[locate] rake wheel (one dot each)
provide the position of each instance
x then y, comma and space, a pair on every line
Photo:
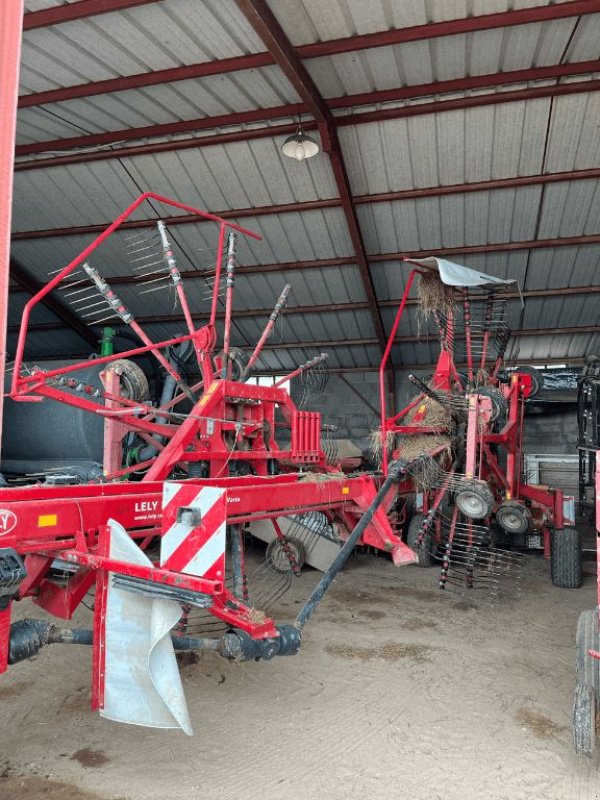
277, 558
425, 550
134, 384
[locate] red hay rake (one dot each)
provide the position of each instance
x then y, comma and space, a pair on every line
466, 429
236, 455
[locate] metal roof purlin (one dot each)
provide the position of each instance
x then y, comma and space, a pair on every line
333, 202
18, 274
277, 112
254, 60
74, 11
262, 19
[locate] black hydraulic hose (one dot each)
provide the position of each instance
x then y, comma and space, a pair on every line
396, 472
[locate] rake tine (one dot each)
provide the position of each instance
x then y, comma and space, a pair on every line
93, 305
93, 313
74, 283
77, 291
156, 289
150, 264
150, 246
99, 321
83, 299
56, 271
152, 272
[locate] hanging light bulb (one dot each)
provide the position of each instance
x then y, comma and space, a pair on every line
299, 146
299, 153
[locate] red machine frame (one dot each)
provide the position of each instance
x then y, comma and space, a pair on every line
545, 504
43, 523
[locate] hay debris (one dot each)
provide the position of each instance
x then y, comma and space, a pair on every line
321, 477
433, 296
376, 444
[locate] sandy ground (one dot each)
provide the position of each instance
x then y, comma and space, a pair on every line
399, 691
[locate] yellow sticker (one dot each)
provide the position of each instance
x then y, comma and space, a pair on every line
47, 521
422, 408
345, 490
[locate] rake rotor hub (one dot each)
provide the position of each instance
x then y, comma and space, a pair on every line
513, 517
475, 500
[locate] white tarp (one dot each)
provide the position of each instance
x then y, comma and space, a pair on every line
456, 275
142, 681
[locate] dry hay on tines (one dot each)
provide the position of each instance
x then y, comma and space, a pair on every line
376, 444
435, 415
410, 446
433, 295
320, 477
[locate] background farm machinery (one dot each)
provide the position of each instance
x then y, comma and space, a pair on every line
463, 434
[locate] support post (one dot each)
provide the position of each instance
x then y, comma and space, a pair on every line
11, 27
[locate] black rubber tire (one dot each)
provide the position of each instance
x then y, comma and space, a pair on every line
425, 551
565, 558
588, 638
134, 384
238, 360
480, 490
277, 559
499, 404
583, 720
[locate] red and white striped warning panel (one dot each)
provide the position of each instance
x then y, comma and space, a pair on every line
196, 548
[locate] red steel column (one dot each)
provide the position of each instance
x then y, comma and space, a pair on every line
11, 26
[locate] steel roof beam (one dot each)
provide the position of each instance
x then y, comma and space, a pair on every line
451, 27
327, 48
30, 285
82, 9
334, 202
324, 107
319, 309
263, 21
241, 118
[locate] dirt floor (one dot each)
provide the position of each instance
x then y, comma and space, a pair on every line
400, 691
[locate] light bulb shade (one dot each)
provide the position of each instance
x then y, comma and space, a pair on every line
299, 146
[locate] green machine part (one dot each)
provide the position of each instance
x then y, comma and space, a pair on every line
107, 341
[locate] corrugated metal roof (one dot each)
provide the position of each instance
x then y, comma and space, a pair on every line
564, 266
495, 141
214, 95
473, 145
445, 58
218, 178
505, 215
142, 39
311, 21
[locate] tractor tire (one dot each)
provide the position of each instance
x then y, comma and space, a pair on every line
425, 551
583, 720
588, 638
134, 384
277, 558
565, 558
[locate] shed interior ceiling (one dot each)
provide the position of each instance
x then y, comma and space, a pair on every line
467, 128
